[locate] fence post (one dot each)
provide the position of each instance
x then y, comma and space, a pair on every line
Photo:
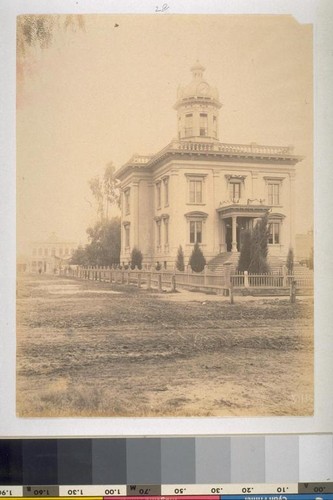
149, 280
128, 276
227, 274
122, 276
246, 279
159, 280
139, 279
293, 291
205, 274
285, 277
173, 282
231, 293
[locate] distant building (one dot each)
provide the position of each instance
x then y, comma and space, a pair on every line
200, 190
49, 255
304, 246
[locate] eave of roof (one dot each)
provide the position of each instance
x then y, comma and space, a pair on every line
214, 151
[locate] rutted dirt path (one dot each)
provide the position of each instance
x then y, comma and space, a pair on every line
95, 349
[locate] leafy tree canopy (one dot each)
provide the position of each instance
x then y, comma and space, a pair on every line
103, 248
105, 190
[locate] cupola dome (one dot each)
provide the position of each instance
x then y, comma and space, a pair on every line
197, 106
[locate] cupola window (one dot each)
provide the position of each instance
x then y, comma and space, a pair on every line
203, 124
188, 125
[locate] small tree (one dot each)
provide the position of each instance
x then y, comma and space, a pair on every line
180, 263
259, 247
245, 253
197, 260
290, 261
136, 258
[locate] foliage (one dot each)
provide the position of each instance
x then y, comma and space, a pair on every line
245, 252
180, 263
259, 247
80, 256
105, 191
136, 258
254, 251
197, 260
38, 30
103, 248
290, 261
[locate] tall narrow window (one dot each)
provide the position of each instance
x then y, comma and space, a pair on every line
53, 251
166, 231
40, 251
158, 194
188, 125
158, 233
235, 191
203, 124
273, 193
214, 127
195, 231
127, 201
127, 235
166, 191
195, 191
274, 233
46, 252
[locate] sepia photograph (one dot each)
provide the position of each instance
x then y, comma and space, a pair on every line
164, 215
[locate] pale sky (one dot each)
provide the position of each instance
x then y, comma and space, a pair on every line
102, 94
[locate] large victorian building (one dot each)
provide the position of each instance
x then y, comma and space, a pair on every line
200, 190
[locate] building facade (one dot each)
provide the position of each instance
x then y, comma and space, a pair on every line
50, 255
200, 190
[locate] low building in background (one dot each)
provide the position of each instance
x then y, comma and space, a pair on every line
48, 256
304, 247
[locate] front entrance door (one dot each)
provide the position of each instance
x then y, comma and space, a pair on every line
243, 224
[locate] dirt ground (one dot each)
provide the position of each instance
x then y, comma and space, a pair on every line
96, 349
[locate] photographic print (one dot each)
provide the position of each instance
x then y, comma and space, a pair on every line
164, 215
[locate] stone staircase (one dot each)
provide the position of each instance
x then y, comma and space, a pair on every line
216, 264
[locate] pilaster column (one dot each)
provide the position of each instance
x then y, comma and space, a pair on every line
292, 177
223, 246
234, 234
135, 217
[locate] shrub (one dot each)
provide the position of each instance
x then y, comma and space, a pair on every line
136, 258
197, 260
245, 253
180, 263
290, 261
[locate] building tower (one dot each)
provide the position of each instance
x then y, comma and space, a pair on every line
197, 109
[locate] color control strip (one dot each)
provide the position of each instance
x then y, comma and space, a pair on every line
199, 492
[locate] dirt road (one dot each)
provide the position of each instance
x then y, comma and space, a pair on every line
95, 349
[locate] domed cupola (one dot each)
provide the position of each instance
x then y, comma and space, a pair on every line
197, 108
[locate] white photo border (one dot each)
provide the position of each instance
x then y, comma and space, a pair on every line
317, 12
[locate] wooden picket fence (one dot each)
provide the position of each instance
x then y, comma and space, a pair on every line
221, 281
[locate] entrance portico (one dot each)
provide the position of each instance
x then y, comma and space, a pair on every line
234, 220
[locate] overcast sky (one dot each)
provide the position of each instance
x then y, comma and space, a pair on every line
102, 94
